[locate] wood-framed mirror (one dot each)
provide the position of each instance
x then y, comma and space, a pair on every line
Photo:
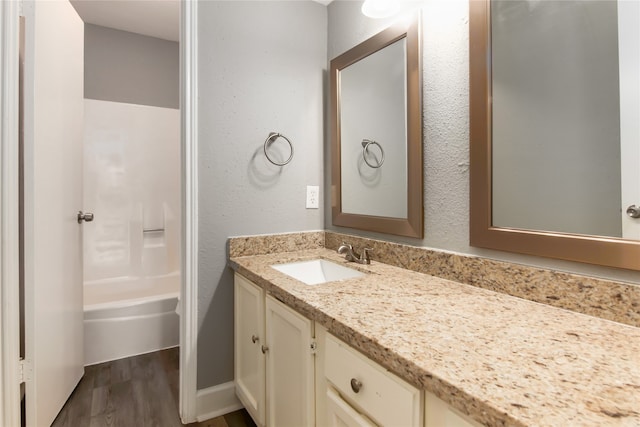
376, 119
518, 118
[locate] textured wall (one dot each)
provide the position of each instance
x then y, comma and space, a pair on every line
132, 68
262, 68
446, 129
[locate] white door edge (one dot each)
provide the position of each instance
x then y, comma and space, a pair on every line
629, 54
53, 130
189, 141
9, 217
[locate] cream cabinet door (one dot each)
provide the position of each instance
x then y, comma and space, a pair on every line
248, 341
290, 367
341, 414
439, 414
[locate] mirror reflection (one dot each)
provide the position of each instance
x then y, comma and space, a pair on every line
373, 135
565, 116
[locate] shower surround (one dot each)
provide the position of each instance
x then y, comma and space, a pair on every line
132, 249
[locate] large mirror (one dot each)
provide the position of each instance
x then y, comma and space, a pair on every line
376, 107
555, 134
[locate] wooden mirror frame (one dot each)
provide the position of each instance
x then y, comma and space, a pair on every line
412, 226
599, 250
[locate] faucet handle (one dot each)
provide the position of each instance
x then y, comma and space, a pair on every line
347, 250
345, 246
364, 256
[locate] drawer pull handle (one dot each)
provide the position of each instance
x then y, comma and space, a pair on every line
264, 349
355, 385
254, 339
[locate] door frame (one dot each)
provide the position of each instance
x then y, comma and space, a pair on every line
189, 145
9, 218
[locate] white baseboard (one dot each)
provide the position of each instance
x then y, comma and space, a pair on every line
216, 401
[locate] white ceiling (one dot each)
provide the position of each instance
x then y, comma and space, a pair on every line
155, 18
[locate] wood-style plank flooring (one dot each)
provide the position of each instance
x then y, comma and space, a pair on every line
139, 391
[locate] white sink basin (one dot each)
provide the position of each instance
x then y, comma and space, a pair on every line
317, 271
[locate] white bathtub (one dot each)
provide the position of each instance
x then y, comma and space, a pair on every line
129, 316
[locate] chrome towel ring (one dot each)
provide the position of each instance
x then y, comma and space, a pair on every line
270, 139
365, 149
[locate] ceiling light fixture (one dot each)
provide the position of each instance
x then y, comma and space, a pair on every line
380, 8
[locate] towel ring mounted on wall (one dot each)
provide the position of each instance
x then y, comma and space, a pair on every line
365, 149
270, 139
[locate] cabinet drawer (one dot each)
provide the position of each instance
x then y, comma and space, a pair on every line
340, 413
381, 395
440, 414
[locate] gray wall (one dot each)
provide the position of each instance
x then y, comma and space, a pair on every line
131, 68
446, 130
262, 68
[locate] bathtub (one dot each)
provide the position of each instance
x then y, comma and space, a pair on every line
128, 316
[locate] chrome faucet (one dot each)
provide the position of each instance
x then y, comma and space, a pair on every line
352, 256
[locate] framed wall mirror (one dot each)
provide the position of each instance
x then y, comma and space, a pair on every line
555, 136
376, 113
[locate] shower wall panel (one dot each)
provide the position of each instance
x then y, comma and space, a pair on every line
132, 185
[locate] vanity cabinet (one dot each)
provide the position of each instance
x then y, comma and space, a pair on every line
249, 336
290, 372
340, 413
290, 367
376, 397
439, 414
274, 359
362, 393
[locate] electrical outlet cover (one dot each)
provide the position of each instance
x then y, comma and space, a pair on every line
313, 197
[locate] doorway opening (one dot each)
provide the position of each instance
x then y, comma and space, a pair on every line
128, 157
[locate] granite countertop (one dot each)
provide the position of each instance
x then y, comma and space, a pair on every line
500, 359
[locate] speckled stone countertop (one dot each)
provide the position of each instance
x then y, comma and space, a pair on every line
500, 359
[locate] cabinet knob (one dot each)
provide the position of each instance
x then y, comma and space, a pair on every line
264, 349
254, 339
356, 385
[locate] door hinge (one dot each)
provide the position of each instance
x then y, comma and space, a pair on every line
26, 370
314, 347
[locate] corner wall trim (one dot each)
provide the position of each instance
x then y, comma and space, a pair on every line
216, 401
9, 216
189, 143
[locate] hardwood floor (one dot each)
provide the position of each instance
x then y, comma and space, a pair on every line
139, 391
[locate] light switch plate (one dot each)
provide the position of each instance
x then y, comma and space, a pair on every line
313, 197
